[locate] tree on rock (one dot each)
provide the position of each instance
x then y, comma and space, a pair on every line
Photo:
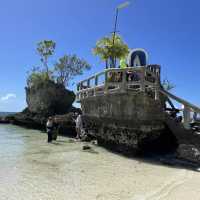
64, 70
109, 49
69, 66
46, 49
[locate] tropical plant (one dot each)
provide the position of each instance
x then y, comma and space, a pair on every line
46, 48
36, 79
69, 66
64, 70
109, 49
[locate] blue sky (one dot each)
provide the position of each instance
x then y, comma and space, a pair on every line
168, 29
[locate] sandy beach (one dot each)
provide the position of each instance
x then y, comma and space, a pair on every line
32, 169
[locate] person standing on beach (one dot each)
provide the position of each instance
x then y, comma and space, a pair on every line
49, 127
55, 128
79, 126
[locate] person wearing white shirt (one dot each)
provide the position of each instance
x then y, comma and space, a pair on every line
79, 126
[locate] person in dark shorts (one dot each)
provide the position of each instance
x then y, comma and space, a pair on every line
49, 127
55, 128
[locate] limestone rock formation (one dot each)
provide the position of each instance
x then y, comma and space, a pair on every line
189, 152
49, 99
28, 119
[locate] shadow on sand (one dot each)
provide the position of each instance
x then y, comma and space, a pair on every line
165, 159
168, 159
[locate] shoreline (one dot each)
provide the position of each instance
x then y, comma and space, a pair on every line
168, 159
63, 170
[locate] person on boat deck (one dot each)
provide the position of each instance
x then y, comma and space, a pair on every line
79, 126
49, 127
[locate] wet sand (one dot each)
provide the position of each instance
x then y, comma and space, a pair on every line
32, 169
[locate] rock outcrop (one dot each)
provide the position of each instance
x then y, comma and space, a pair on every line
4, 120
66, 124
28, 119
49, 99
189, 152
123, 121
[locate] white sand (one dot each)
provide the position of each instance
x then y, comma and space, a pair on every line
31, 169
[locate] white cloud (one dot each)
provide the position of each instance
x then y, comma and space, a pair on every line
8, 96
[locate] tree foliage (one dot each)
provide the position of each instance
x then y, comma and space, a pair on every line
36, 77
69, 66
46, 49
62, 72
109, 49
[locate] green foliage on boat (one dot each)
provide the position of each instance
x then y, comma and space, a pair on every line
110, 49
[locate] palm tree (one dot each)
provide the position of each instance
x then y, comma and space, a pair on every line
109, 49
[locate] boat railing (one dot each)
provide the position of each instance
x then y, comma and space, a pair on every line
189, 112
116, 80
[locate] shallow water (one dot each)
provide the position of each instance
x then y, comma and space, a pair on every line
32, 169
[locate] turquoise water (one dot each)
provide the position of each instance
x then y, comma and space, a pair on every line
30, 168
